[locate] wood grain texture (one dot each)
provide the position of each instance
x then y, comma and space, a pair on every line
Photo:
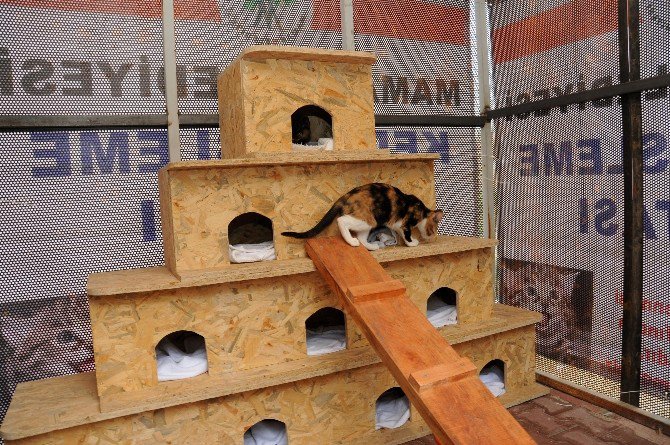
205, 201
160, 278
458, 412
261, 322
63, 403
263, 87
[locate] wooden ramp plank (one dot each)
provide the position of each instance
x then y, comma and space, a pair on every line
450, 397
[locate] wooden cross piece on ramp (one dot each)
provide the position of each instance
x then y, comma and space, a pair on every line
443, 386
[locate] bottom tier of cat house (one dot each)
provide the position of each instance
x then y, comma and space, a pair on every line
356, 406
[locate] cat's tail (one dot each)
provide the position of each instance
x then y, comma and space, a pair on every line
329, 217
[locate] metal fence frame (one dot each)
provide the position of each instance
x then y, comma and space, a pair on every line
629, 89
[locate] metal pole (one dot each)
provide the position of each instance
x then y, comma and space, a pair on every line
484, 74
347, 15
631, 108
170, 58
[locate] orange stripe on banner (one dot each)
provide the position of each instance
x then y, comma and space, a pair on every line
409, 19
569, 23
183, 9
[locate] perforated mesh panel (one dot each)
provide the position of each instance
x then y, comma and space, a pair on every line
74, 203
200, 143
549, 48
654, 38
655, 381
424, 56
560, 222
205, 47
81, 58
457, 172
561, 232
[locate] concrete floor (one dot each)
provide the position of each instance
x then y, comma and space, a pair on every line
560, 419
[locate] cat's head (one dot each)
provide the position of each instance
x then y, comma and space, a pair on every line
56, 339
428, 224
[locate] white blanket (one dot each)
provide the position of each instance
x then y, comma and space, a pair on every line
175, 364
382, 237
494, 379
392, 410
249, 253
322, 144
440, 313
266, 432
326, 339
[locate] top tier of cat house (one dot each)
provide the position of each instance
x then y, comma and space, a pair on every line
265, 85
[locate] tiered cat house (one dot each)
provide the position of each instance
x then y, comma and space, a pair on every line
255, 318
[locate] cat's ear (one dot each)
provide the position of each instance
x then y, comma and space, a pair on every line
437, 216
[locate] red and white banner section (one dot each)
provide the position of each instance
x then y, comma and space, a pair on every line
561, 183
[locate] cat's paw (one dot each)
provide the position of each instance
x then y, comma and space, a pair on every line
372, 247
354, 242
412, 243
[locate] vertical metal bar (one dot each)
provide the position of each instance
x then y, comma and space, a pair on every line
629, 63
347, 15
170, 58
484, 78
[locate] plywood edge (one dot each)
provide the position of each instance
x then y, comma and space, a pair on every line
523, 395
263, 52
302, 158
160, 278
31, 413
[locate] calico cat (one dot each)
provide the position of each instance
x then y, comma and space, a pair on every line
373, 205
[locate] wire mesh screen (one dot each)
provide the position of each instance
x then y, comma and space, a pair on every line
73, 203
458, 172
560, 197
424, 54
200, 143
654, 39
655, 376
207, 45
549, 48
561, 249
81, 57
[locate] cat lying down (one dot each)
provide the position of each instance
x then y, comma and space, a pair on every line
377, 205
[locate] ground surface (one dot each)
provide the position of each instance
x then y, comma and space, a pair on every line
560, 419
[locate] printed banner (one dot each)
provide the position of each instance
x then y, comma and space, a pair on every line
561, 184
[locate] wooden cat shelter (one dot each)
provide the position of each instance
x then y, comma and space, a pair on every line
253, 315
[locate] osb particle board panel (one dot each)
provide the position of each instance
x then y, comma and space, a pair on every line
330, 409
294, 197
207, 386
273, 89
256, 323
160, 278
467, 273
336, 408
516, 348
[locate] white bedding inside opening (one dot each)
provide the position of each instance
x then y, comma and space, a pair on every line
322, 144
392, 410
326, 339
440, 313
173, 363
493, 378
249, 253
266, 432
